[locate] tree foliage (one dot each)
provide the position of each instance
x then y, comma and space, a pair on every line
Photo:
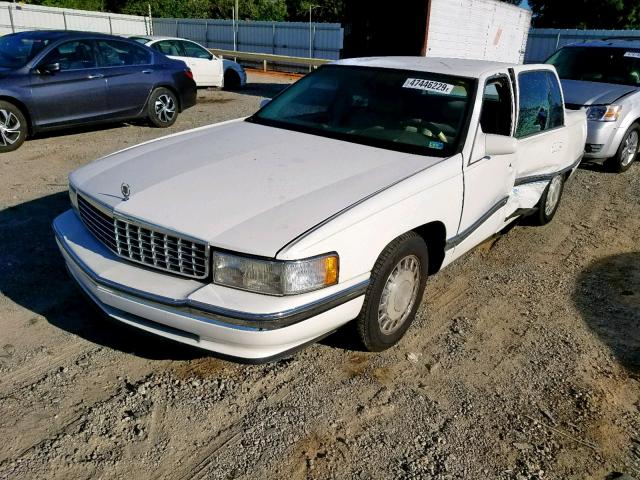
605, 14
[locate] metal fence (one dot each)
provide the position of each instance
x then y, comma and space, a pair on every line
544, 41
16, 17
295, 39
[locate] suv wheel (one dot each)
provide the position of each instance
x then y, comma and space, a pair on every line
13, 127
627, 151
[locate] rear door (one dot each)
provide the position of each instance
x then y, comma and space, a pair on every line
75, 93
129, 72
542, 138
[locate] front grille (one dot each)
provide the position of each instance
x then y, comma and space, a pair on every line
139, 243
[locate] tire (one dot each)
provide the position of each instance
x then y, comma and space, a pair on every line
549, 202
162, 110
231, 80
627, 151
13, 127
407, 259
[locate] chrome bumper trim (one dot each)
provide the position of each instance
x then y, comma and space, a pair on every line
220, 315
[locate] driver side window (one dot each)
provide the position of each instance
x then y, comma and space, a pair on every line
75, 55
496, 113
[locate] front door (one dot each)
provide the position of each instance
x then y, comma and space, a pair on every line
207, 68
75, 93
488, 179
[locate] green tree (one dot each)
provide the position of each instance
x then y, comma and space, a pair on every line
605, 14
168, 8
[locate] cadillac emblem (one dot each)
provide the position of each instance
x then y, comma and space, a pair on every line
126, 191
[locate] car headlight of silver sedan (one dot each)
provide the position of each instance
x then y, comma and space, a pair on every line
604, 113
275, 277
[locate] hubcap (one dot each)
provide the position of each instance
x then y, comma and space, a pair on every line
553, 195
630, 148
165, 108
9, 128
399, 294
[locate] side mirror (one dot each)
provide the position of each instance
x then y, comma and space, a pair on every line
264, 101
500, 145
49, 68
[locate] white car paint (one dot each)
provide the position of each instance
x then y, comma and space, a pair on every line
281, 194
207, 72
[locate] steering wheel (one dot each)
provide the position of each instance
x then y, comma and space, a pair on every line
422, 124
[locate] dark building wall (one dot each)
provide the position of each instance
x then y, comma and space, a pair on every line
377, 27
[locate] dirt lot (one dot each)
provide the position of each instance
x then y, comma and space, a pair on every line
524, 364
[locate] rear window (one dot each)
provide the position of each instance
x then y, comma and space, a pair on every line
598, 64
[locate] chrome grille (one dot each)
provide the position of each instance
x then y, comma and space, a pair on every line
142, 244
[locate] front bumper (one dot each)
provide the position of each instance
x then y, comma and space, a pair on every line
202, 314
603, 140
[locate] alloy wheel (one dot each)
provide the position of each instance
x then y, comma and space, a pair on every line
630, 148
165, 108
553, 195
10, 128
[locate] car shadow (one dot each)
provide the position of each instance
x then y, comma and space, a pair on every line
595, 167
74, 130
33, 275
608, 296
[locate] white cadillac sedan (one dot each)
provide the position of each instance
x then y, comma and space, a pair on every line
333, 203
208, 70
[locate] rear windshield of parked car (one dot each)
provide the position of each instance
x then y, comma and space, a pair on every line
17, 50
407, 111
598, 64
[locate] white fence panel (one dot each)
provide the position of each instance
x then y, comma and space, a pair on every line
16, 17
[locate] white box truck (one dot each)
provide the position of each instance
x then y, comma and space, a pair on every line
478, 29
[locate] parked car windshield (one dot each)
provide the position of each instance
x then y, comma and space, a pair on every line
408, 111
16, 50
598, 64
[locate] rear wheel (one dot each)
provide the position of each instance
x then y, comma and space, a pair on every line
162, 110
549, 202
231, 80
13, 127
627, 151
395, 292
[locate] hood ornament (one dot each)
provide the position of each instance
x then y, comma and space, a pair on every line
126, 191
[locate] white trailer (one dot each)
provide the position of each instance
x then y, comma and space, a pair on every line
477, 29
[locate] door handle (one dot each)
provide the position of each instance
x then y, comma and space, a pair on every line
147, 71
95, 75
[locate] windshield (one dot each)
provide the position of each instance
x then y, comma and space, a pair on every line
408, 111
598, 64
16, 49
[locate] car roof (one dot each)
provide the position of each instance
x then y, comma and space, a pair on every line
155, 38
60, 34
449, 66
610, 43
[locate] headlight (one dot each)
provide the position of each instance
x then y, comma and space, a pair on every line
604, 113
275, 277
73, 197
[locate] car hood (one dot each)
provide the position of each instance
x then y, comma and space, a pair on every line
580, 92
242, 186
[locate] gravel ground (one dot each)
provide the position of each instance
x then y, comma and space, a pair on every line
524, 362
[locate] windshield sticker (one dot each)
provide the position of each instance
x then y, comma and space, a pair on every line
436, 145
632, 54
428, 85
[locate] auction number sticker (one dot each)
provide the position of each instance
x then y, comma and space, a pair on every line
632, 54
428, 85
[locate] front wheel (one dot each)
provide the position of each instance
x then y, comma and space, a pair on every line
627, 151
549, 202
162, 109
231, 80
13, 127
395, 292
